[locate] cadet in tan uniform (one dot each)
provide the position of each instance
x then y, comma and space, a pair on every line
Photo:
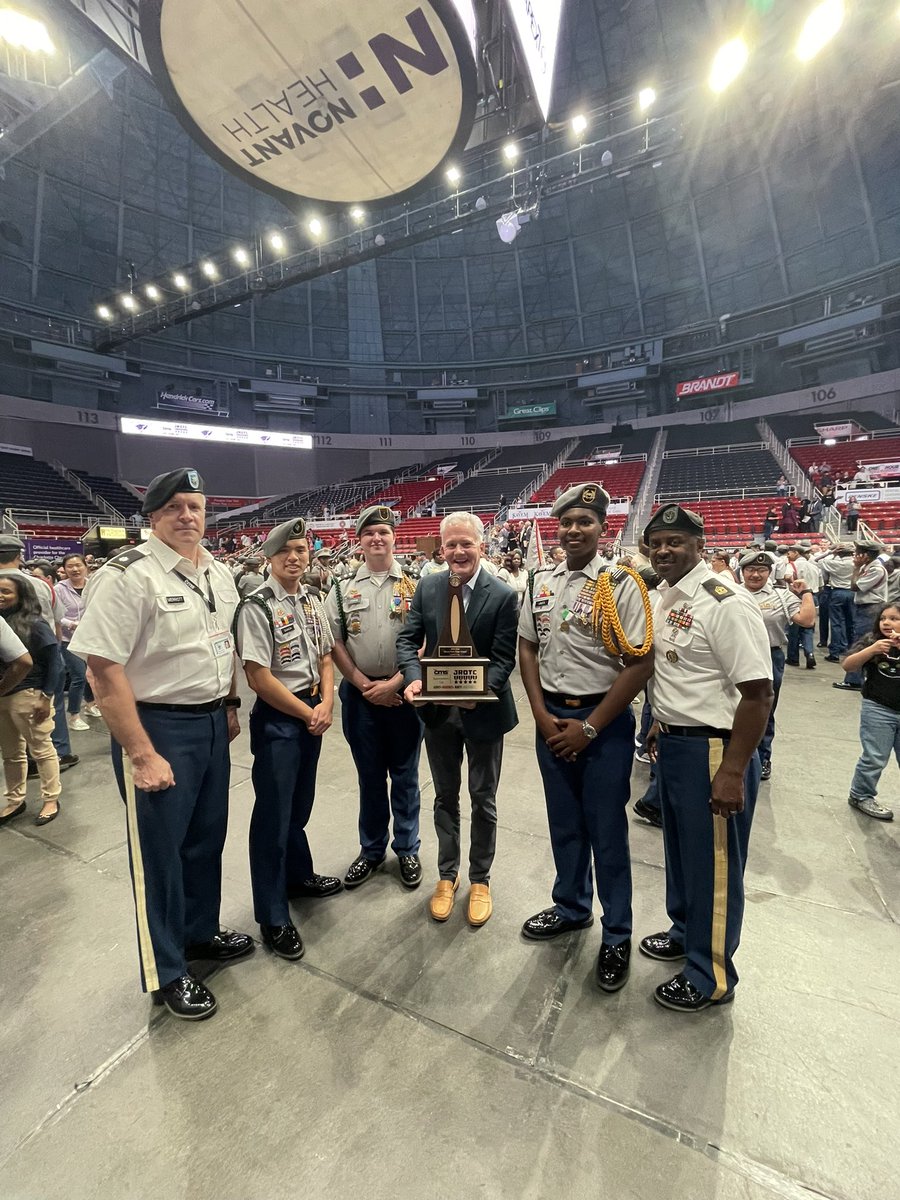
366, 614
284, 642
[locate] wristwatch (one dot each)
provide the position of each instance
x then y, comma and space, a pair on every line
588, 730
232, 702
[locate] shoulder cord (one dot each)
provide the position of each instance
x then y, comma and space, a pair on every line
252, 599
606, 623
342, 616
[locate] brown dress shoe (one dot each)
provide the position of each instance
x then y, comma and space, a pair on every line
441, 903
480, 904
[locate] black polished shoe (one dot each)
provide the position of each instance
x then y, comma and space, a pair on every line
410, 870
225, 947
66, 762
613, 962
766, 772
811, 662
648, 813
680, 995
848, 687
792, 662
661, 946
317, 887
360, 870
283, 940
16, 812
187, 998
832, 658
549, 924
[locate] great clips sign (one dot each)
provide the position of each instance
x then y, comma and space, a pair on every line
710, 383
336, 101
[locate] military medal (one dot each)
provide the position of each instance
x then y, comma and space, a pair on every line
671, 656
564, 624
355, 625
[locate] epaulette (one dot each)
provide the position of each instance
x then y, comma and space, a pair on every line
262, 594
718, 591
617, 574
121, 562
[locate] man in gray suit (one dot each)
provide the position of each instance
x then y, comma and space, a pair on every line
476, 729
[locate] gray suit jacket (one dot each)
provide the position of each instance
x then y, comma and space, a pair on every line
493, 619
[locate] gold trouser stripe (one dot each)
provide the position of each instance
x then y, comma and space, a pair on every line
145, 943
720, 880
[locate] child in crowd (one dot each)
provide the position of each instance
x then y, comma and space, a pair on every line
877, 655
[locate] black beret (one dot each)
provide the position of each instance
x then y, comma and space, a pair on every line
674, 518
376, 514
282, 534
583, 495
164, 487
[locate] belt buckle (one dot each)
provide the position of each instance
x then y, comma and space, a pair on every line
572, 703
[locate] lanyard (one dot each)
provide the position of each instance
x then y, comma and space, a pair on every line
211, 601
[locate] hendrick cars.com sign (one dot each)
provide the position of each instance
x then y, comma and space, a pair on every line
338, 101
711, 383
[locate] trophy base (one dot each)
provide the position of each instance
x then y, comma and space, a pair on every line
459, 699
455, 681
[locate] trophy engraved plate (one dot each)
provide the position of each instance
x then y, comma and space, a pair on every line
455, 673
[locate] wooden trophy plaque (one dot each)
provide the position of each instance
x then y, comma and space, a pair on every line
455, 673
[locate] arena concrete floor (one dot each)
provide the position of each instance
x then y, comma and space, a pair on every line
407, 1059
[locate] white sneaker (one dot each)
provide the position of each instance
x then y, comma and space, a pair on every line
91, 710
872, 808
643, 758
78, 723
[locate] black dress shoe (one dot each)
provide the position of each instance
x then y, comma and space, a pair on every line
549, 924
792, 662
16, 812
647, 812
832, 658
317, 887
680, 995
360, 870
410, 870
766, 772
661, 946
613, 963
187, 998
848, 687
283, 940
811, 662
224, 947
66, 762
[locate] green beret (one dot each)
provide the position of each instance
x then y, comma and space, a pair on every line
164, 487
282, 534
583, 495
756, 558
674, 518
376, 514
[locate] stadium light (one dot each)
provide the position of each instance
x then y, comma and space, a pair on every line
209, 269
315, 227
646, 99
128, 302
153, 292
241, 257
104, 313
511, 152
181, 282
358, 215
819, 28
454, 174
579, 124
277, 242
830, 442
728, 63
24, 33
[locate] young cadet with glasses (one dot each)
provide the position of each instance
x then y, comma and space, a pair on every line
284, 642
156, 633
585, 652
367, 613
711, 695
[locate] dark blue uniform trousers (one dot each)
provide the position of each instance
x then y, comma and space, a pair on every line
384, 742
285, 759
705, 859
842, 616
586, 811
175, 839
765, 746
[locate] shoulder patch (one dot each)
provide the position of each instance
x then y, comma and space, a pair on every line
121, 562
718, 591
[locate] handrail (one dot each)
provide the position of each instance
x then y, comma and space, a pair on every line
871, 435
697, 451
747, 493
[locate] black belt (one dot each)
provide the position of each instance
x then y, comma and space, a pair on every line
213, 706
575, 701
697, 731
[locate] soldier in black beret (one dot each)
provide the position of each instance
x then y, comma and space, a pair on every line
164, 487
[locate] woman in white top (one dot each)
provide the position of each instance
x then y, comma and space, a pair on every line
515, 574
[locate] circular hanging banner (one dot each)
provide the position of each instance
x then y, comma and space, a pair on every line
336, 101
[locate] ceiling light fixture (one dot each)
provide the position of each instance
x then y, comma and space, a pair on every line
728, 63
820, 27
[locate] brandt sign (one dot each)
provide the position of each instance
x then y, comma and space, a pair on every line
335, 101
711, 383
